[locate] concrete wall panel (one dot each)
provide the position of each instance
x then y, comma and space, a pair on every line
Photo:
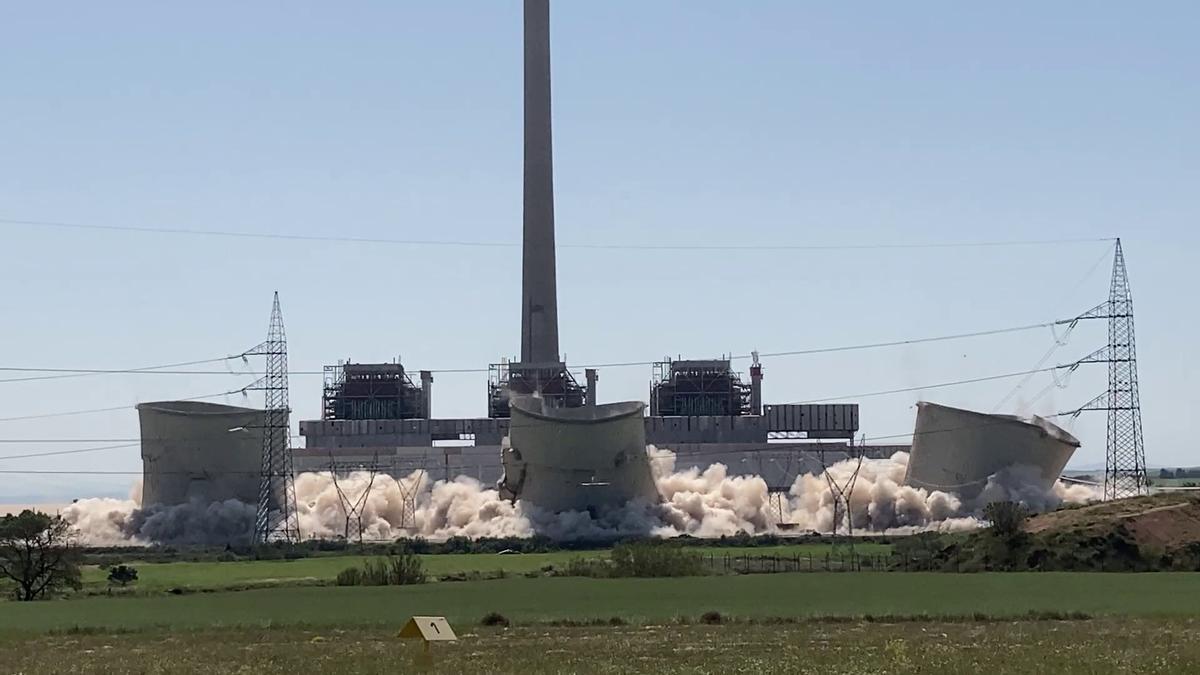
192, 449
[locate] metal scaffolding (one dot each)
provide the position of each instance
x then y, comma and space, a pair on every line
370, 391
711, 387
553, 383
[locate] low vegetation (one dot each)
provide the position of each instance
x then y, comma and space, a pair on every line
403, 568
122, 575
1111, 646
494, 619
281, 551
637, 559
1159, 533
636, 600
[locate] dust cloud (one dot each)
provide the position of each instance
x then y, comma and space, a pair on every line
707, 502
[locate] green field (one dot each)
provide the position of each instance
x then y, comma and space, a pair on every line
864, 622
154, 577
1107, 646
635, 600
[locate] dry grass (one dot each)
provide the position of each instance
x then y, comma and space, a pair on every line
1143, 646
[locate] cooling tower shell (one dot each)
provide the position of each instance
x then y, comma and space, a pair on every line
207, 451
577, 459
955, 450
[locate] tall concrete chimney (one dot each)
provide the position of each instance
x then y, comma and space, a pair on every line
539, 295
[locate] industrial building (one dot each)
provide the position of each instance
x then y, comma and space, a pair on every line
374, 415
544, 438
378, 416
956, 450
374, 391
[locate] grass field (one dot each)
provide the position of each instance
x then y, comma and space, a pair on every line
634, 600
154, 577
1109, 646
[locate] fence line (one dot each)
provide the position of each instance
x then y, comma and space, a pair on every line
834, 561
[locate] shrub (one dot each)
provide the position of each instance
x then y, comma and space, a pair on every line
351, 576
494, 619
642, 559
1007, 518
401, 569
122, 574
712, 618
588, 567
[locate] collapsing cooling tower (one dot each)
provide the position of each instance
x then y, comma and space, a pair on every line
194, 450
577, 459
955, 450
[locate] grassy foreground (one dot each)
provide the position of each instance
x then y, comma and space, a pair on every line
1143, 646
636, 600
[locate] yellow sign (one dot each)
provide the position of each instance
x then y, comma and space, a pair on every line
429, 629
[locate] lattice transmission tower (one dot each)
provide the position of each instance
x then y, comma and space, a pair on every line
276, 517
1125, 455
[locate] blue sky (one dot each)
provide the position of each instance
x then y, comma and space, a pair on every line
768, 123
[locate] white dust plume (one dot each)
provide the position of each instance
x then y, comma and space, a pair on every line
707, 502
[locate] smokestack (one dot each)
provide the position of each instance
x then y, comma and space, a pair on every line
539, 296
590, 374
427, 394
755, 386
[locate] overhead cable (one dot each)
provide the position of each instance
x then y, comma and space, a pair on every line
165, 369
89, 411
587, 246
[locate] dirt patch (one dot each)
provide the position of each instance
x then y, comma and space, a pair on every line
1164, 521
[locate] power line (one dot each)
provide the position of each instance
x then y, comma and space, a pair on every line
103, 440
84, 372
512, 244
130, 371
1058, 341
209, 472
939, 385
900, 343
71, 452
165, 369
89, 411
67, 440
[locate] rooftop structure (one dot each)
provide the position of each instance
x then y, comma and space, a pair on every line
708, 387
374, 391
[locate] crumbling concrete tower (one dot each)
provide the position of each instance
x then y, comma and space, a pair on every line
539, 295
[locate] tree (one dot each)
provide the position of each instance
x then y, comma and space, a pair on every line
122, 574
37, 554
1009, 540
1007, 518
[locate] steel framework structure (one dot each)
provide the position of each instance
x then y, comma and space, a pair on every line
841, 492
698, 388
1125, 454
276, 518
552, 382
370, 391
352, 509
